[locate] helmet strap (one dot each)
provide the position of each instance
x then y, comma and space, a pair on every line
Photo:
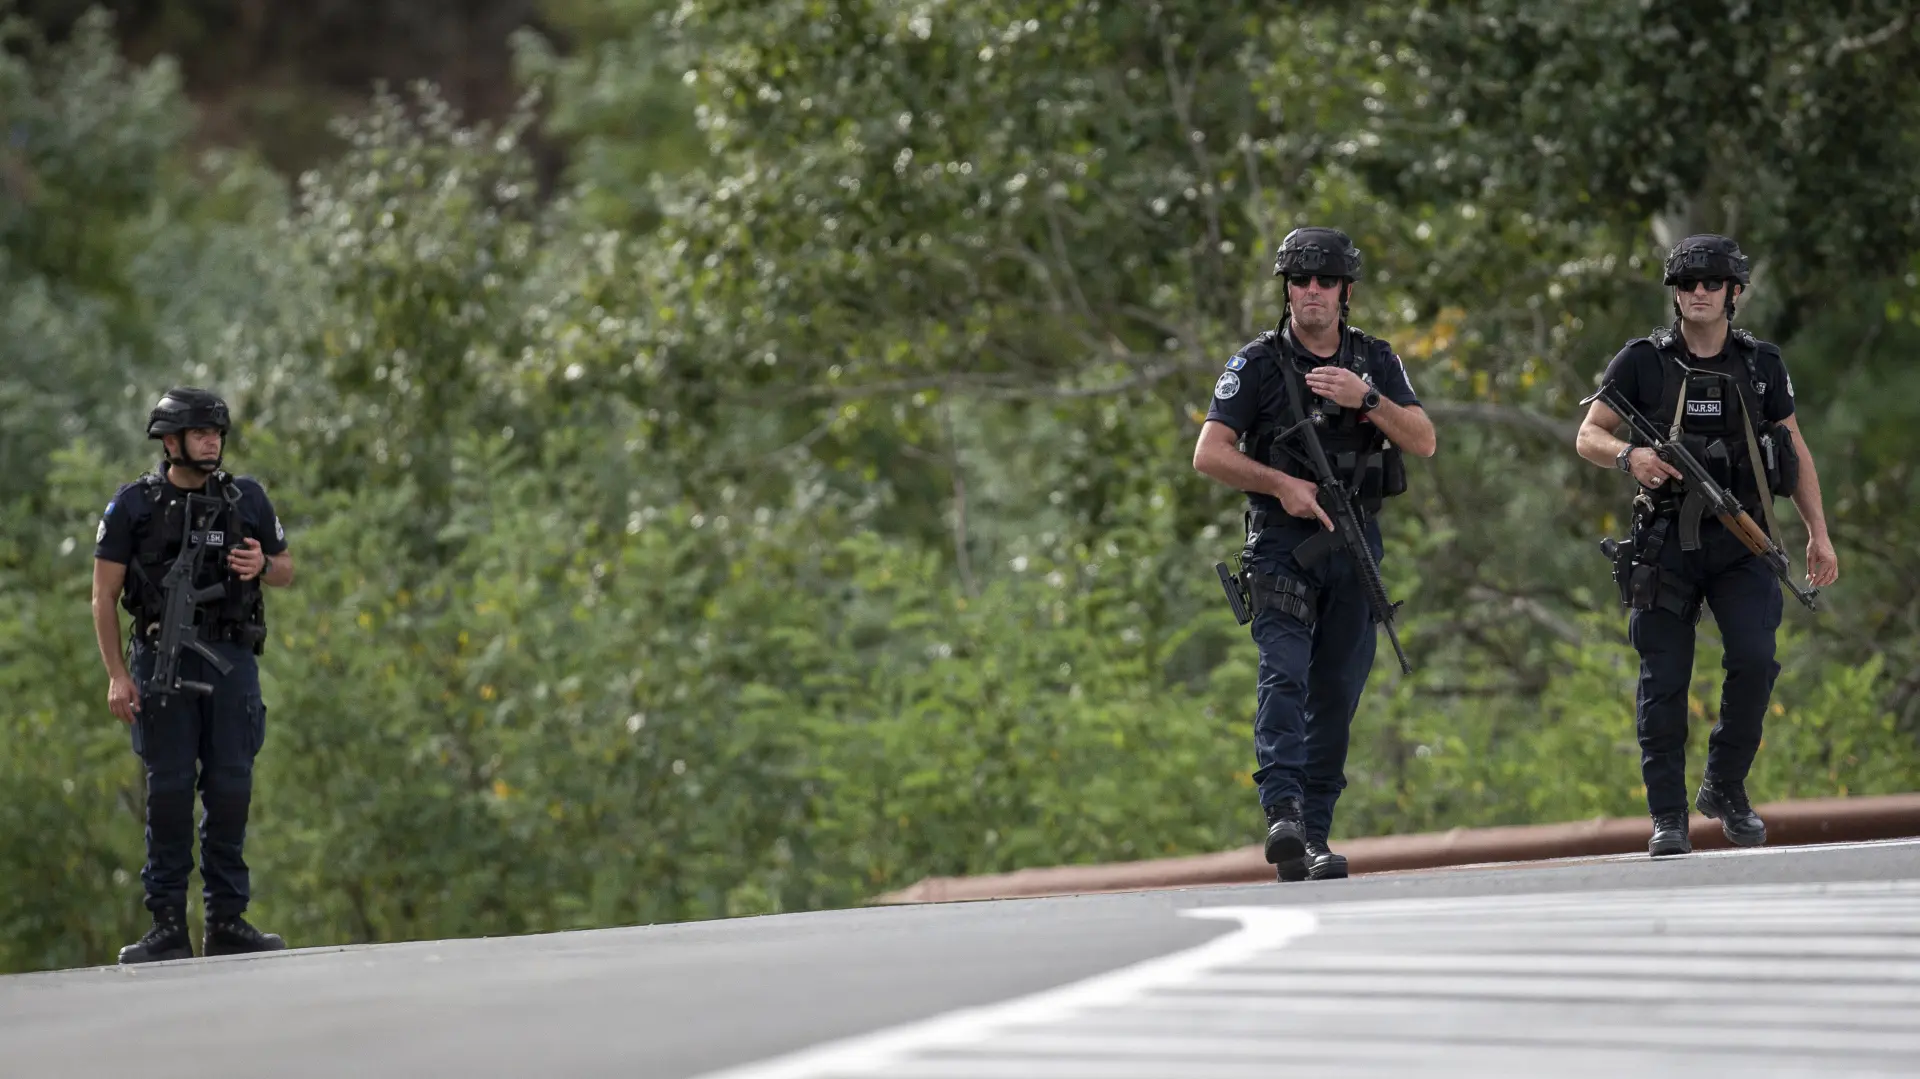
206, 467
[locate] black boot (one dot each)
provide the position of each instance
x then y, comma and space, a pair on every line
1323, 864
167, 939
1286, 833
231, 935
1669, 836
1726, 802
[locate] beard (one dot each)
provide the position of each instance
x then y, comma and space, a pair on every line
1314, 320
1706, 316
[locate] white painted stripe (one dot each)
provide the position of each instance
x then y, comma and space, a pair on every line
1208, 1049
1567, 984
1261, 929
1729, 926
1188, 1006
1026, 1067
1651, 896
1532, 940
1550, 987
1641, 857
1646, 1028
1328, 1059
1553, 961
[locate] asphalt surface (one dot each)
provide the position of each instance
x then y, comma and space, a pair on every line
1228, 991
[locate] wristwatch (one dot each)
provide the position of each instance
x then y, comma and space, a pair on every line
1371, 401
1620, 459
266, 564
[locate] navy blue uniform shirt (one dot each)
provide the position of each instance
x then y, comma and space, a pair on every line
1637, 371
1251, 394
117, 538
1254, 387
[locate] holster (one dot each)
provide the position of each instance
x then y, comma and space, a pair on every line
1284, 594
1249, 592
1642, 583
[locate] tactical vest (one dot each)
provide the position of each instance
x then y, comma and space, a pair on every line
1712, 421
240, 615
1358, 451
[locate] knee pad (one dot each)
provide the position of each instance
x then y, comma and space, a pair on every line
226, 819
227, 779
170, 781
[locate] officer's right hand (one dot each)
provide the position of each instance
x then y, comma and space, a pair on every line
1301, 498
123, 697
1649, 469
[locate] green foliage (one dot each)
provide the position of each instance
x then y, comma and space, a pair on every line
797, 502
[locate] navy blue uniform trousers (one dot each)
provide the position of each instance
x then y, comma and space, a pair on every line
1746, 603
1311, 677
206, 744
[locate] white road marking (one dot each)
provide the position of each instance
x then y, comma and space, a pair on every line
1262, 929
1773, 980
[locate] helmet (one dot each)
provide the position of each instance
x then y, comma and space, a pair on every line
184, 408
1707, 255
1317, 250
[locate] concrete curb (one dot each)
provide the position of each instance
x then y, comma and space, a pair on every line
1824, 820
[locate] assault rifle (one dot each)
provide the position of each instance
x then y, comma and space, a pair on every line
181, 599
1704, 494
1349, 532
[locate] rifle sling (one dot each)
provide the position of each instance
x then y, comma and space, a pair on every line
1321, 543
1759, 471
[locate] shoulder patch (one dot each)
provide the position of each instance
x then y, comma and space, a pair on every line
1238, 361
1227, 386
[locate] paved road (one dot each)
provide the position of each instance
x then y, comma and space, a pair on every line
1787, 961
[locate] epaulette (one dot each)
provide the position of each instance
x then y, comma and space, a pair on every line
1746, 338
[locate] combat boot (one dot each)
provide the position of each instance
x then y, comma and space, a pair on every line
1323, 864
1670, 836
1726, 802
1286, 833
231, 935
167, 939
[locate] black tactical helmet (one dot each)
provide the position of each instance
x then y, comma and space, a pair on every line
1317, 250
1707, 255
184, 408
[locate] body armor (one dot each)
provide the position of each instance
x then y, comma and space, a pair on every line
240, 615
1714, 408
1355, 448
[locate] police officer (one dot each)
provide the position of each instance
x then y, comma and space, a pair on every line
190, 739
1311, 621
1731, 400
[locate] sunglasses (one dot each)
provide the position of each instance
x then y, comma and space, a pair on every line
1327, 281
1686, 284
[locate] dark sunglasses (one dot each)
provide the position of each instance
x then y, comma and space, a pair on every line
1327, 281
1686, 284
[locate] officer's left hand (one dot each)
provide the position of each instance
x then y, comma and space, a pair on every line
1823, 567
1337, 384
247, 559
